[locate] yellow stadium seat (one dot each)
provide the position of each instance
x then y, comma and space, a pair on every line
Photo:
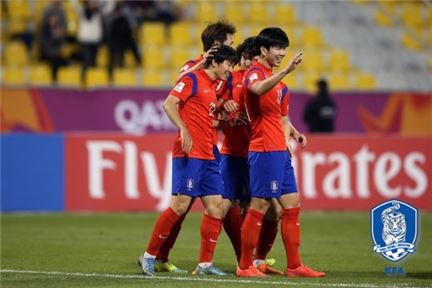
179, 57
40, 75
124, 77
129, 60
13, 76
410, 42
206, 12
309, 81
284, 14
102, 57
311, 37
96, 77
365, 82
411, 16
153, 58
258, 13
16, 54
382, 19
313, 61
153, 34
152, 78
19, 9
39, 9
69, 76
235, 12
180, 34
339, 82
16, 26
339, 60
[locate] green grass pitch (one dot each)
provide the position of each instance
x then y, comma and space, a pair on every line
100, 250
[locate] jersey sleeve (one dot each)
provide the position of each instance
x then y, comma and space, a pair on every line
185, 87
187, 66
285, 100
252, 76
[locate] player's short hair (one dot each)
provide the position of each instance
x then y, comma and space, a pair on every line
223, 53
272, 37
248, 48
216, 32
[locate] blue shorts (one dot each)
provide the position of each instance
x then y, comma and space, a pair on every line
196, 177
235, 177
271, 174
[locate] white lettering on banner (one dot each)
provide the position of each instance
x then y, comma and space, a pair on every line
340, 175
309, 162
362, 159
131, 183
383, 175
152, 179
416, 174
385, 167
97, 164
131, 119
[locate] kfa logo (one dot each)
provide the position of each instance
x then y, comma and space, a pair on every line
189, 184
394, 229
274, 186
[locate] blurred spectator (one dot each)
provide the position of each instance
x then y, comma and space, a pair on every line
320, 112
53, 35
120, 36
162, 11
90, 30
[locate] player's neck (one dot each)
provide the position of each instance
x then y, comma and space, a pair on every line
264, 62
211, 74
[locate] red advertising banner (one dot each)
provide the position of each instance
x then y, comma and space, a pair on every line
113, 172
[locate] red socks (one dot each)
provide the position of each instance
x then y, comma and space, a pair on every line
266, 239
232, 224
169, 243
291, 236
250, 231
162, 230
210, 229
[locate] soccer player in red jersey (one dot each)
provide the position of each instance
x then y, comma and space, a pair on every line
270, 170
234, 167
214, 35
196, 173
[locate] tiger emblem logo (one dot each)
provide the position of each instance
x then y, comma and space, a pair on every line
394, 229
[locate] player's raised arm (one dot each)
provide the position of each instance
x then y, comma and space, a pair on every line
170, 107
260, 87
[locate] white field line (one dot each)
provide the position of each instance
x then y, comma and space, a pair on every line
201, 279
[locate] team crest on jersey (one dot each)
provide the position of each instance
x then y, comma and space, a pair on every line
253, 76
190, 184
394, 229
179, 87
274, 186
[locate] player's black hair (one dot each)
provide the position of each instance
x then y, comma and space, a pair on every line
223, 53
272, 37
216, 32
248, 48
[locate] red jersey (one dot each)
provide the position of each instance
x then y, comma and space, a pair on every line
197, 106
218, 86
265, 111
236, 140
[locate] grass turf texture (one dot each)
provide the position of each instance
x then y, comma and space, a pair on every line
99, 250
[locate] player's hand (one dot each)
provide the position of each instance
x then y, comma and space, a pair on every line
230, 106
186, 140
211, 51
289, 147
294, 62
241, 118
302, 140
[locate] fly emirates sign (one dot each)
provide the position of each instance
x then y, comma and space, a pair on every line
120, 173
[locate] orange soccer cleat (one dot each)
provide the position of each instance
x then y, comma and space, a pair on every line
249, 272
267, 269
304, 271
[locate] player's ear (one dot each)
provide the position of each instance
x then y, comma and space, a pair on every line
263, 50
